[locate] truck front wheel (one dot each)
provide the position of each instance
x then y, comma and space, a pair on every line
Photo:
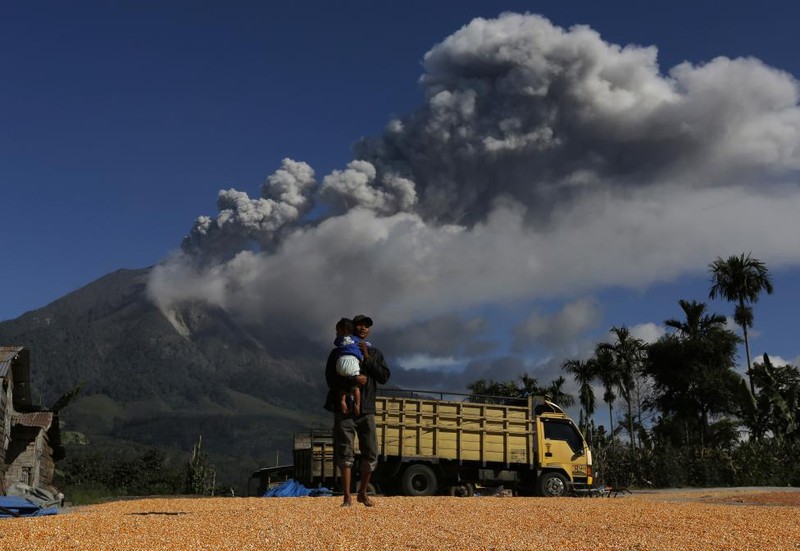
418, 480
553, 485
465, 489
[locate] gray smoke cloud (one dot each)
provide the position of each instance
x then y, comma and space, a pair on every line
543, 163
285, 198
556, 330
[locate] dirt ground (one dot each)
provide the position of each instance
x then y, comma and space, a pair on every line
788, 496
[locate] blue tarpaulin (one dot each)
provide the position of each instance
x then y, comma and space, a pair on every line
16, 506
292, 488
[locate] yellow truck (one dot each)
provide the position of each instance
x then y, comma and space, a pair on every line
429, 445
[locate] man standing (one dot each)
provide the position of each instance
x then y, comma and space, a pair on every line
374, 371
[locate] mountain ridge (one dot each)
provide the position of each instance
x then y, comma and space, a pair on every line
157, 381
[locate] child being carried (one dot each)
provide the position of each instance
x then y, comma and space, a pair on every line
348, 364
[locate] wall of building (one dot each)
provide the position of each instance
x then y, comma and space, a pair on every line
30, 458
6, 410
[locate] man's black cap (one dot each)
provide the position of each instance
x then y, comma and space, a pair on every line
366, 320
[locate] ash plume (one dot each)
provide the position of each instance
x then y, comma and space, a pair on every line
543, 163
285, 198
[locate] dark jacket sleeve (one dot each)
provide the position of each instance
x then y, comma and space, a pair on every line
374, 367
377, 372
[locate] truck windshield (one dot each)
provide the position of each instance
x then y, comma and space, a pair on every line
555, 429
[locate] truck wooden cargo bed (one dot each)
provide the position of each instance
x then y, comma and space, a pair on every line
455, 430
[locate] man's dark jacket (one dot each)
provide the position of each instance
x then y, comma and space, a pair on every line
374, 367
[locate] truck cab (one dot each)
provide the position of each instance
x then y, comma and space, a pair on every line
563, 456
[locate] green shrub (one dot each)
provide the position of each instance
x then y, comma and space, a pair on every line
767, 462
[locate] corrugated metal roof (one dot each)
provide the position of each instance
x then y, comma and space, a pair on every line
41, 419
7, 355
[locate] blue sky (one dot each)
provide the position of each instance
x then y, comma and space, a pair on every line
120, 122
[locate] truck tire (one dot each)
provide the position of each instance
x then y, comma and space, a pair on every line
465, 489
553, 484
418, 480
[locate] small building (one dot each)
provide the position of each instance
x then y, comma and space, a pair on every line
25, 451
29, 458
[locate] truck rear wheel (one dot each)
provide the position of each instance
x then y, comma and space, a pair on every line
553, 485
418, 480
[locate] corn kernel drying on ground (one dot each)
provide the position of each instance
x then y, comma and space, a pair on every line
729, 519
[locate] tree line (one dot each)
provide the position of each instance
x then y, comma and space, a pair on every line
92, 475
686, 416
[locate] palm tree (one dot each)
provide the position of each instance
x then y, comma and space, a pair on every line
556, 392
697, 322
530, 385
583, 373
604, 368
740, 279
692, 370
627, 353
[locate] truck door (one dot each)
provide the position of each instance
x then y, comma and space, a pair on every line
562, 446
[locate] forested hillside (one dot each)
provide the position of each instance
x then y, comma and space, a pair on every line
162, 382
